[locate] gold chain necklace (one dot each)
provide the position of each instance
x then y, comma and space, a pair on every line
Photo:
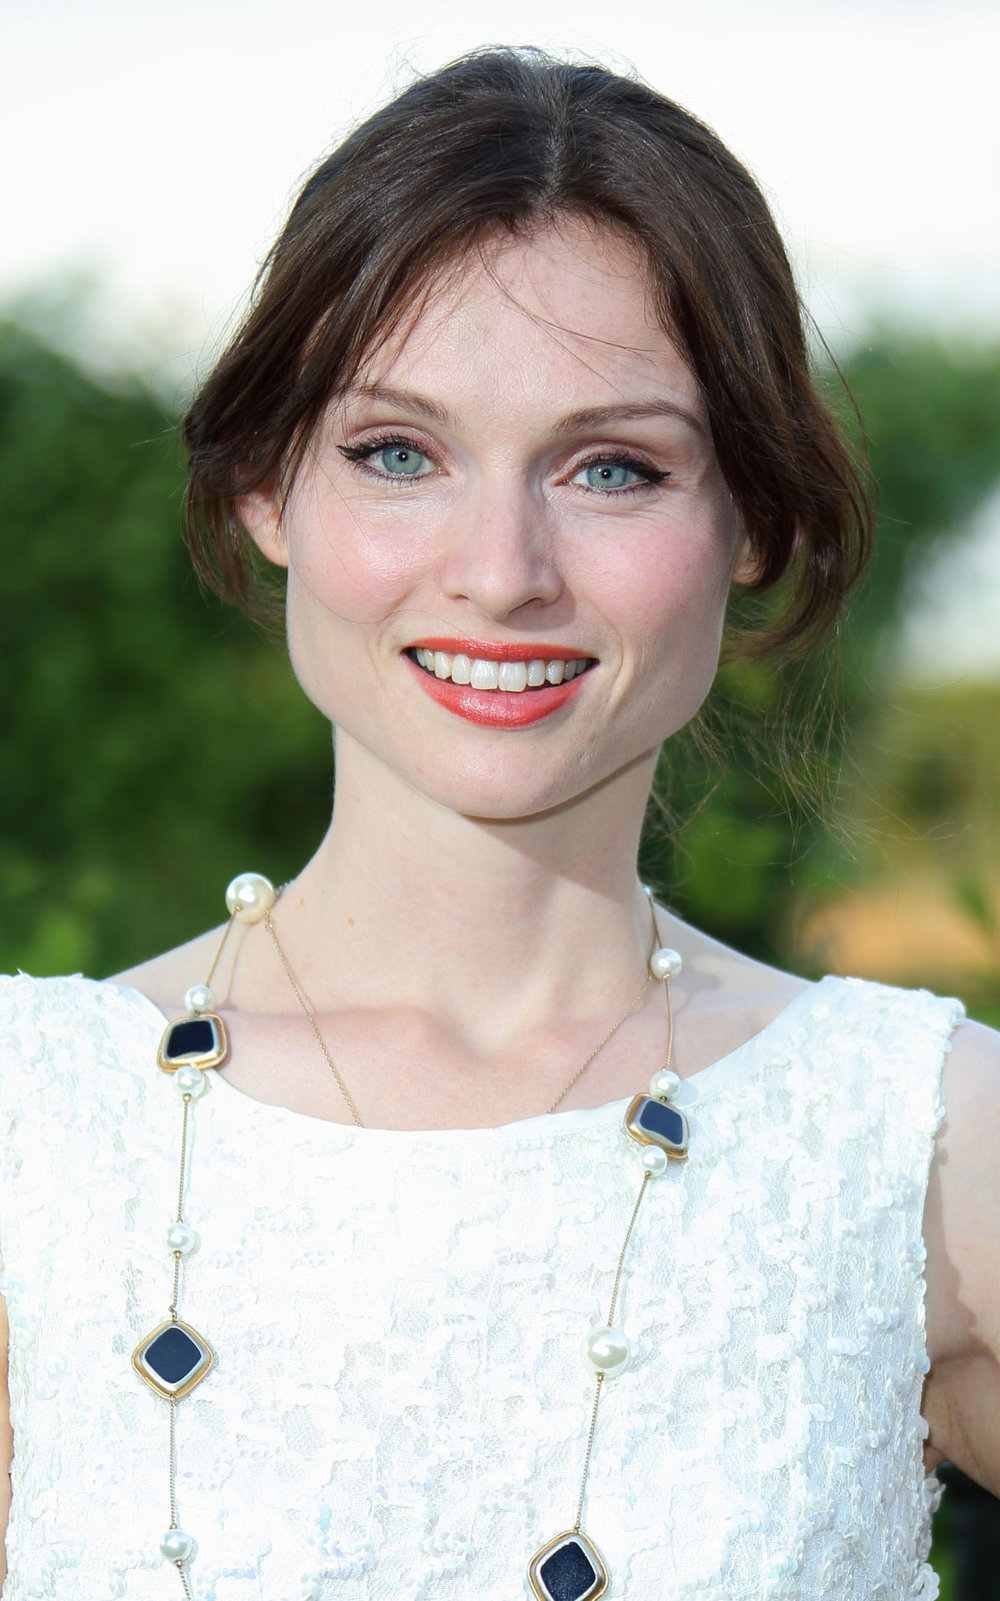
174, 1359
268, 922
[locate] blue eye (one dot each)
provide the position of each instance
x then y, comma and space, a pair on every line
614, 475
401, 461
389, 458
609, 475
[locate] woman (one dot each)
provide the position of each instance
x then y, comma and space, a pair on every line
523, 396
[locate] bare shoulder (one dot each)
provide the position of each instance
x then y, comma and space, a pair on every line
716, 968
6, 1437
962, 1233
723, 997
963, 1211
972, 1097
165, 978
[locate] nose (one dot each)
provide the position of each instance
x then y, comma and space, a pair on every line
499, 552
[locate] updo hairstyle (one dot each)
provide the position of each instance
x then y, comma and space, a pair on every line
506, 142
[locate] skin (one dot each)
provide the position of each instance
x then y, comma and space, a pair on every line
471, 924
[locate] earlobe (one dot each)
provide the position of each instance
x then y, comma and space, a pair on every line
260, 513
746, 567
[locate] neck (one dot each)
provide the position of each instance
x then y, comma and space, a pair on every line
491, 926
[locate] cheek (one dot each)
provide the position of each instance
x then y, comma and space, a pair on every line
347, 572
344, 582
669, 597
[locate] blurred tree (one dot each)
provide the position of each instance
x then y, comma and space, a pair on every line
931, 414
156, 743
757, 850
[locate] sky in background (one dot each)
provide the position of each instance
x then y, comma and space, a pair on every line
155, 147
152, 149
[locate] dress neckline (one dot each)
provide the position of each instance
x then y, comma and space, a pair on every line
738, 1065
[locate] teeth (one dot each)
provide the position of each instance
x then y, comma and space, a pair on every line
485, 675
513, 677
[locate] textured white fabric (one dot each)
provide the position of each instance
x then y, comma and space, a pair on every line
398, 1410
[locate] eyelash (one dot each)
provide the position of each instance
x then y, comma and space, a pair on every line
371, 447
360, 455
649, 475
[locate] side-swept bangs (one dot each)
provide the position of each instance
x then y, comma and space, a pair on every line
507, 141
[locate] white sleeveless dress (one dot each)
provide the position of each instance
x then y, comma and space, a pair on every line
397, 1409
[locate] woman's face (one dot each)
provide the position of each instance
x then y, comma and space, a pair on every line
522, 479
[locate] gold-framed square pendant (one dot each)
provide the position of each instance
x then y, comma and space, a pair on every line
568, 1568
199, 1041
653, 1122
173, 1360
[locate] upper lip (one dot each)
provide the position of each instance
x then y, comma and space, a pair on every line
490, 651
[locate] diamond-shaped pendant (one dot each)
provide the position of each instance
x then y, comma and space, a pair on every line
653, 1122
568, 1568
173, 1359
193, 1041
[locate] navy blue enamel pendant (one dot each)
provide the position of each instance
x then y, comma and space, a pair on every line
653, 1122
173, 1360
198, 1041
568, 1568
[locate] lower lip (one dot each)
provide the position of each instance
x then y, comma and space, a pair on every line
496, 708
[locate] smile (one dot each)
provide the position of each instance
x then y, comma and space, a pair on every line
512, 677
497, 686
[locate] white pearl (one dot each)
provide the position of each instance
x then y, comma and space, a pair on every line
666, 963
605, 1350
253, 894
176, 1545
199, 998
181, 1237
654, 1160
663, 1086
190, 1080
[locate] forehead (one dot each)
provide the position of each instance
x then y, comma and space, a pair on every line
568, 311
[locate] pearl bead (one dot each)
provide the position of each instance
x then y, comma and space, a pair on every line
253, 894
666, 963
181, 1237
190, 1080
663, 1086
654, 1160
199, 998
605, 1350
176, 1545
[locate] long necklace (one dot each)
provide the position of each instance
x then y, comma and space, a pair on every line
174, 1359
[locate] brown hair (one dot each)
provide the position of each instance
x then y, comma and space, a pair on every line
506, 141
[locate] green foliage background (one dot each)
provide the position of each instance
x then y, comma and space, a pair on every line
155, 744
154, 741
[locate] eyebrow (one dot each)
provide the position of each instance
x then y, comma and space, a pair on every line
403, 400
627, 411
575, 421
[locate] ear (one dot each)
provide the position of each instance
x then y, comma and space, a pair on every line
260, 514
746, 568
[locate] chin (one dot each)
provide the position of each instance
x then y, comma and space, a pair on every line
499, 797
520, 790
487, 775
